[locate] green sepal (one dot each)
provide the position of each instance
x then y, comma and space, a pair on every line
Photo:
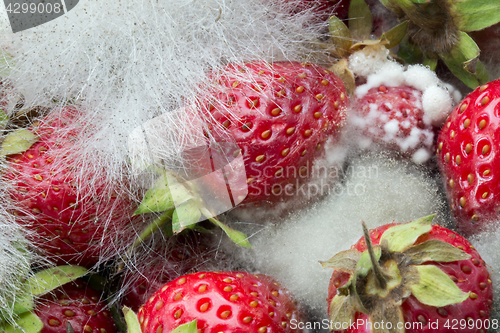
430, 62
51, 278
481, 73
435, 250
341, 310
360, 19
436, 288
43, 282
17, 142
133, 325
185, 216
340, 36
420, 1
388, 313
237, 237
409, 52
27, 322
402, 236
460, 60
395, 35
473, 15
349, 290
165, 193
344, 261
190, 327
364, 265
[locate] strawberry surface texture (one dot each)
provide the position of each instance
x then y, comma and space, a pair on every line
468, 157
220, 302
79, 306
280, 115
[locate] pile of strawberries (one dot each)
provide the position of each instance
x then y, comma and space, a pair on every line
283, 118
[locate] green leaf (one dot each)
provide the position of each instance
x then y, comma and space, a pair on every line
190, 327
17, 142
473, 15
460, 58
402, 236
344, 261
27, 322
340, 36
237, 237
133, 325
436, 288
435, 250
395, 35
420, 1
185, 215
365, 264
341, 311
360, 19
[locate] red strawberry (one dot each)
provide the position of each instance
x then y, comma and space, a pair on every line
77, 304
280, 115
177, 256
468, 158
443, 260
67, 215
221, 302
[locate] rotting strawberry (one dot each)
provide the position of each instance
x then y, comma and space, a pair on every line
75, 304
424, 277
401, 110
71, 216
280, 115
469, 159
221, 302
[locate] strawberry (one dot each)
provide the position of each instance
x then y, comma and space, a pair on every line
467, 156
67, 215
220, 302
424, 275
280, 116
402, 115
76, 304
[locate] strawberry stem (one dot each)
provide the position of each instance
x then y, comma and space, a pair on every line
377, 270
150, 229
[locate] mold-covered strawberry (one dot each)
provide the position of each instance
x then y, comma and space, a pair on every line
280, 115
415, 277
401, 110
220, 302
468, 156
71, 216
